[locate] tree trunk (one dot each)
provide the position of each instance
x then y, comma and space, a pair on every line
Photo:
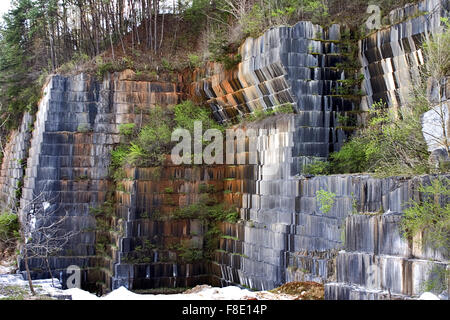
155, 7
49, 270
112, 46
162, 31
138, 39
30, 283
149, 14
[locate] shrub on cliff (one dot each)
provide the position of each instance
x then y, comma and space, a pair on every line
391, 143
231, 21
317, 168
353, 156
259, 113
149, 145
436, 71
208, 212
153, 141
187, 112
127, 129
9, 228
429, 216
326, 200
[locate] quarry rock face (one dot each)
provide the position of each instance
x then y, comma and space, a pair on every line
293, 66
128, 236
435, 126
76, 127
377, 262
390, 63
149, 250
391, 57
13, 163
436, 122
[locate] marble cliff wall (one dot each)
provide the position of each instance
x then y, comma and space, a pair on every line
280, 225
283, 235
75, 129
390, 57
251, 252
255, 252
14, 162
287, 65
377, 262
149, 250
390, 63
281, 241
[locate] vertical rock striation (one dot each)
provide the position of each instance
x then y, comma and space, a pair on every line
391, 56
286, 65
283, 229
151, 246
76, 127
13, 166
377, 261
283, 234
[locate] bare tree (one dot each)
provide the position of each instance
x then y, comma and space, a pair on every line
237, 8
2, 135
43, 232
436, 70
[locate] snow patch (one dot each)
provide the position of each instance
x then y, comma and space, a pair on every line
428, 296
206, 293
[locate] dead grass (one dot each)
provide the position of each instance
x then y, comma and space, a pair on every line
302, 290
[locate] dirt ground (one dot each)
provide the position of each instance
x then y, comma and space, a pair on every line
301, 290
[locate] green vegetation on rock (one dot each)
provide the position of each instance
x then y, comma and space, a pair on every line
9, 228
391, 143
149, 144
326, 200
429, 217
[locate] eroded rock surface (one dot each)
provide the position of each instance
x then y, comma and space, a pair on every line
283, 234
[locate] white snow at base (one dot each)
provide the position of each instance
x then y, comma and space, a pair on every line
45, 287
78, 294
428, 296
208, 293
204, 292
